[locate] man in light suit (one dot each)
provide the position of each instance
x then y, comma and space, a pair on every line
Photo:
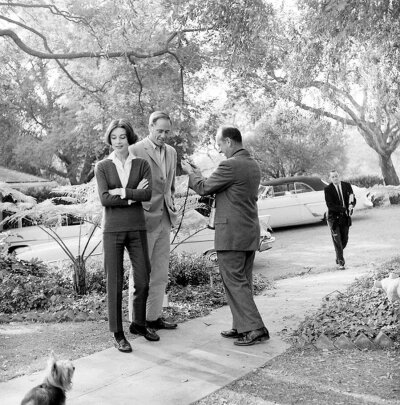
340, 200
237, 230
159, 212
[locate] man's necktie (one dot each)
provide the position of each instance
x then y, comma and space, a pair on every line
340, 195
161, 157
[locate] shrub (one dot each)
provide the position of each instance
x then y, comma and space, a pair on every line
394, 199
188, 269
95, 275
28, 285
48, 291
365, 181
40, 194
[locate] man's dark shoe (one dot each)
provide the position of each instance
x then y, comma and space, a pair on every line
231, 334
123, 345
161, 323
141, 330
253, 337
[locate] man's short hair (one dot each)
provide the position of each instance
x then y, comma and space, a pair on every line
231, 133
156, 115
121, 123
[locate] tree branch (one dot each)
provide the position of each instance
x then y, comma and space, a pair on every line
181, 68
132, 61
324, 113
81, 55
320, 85
45, 43
53, 9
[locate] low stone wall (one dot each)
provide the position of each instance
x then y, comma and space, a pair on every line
362, 342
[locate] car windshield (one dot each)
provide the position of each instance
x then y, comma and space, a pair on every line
265, 192
302, 188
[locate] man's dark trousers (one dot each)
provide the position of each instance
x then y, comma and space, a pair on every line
236, 268
340, 235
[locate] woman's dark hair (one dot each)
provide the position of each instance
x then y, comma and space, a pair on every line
231, 132
121, 123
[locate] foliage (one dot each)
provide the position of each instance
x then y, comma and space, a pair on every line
39, 194
188, 269
335, 73
366, 181
336, 59
80, 202
287, 142
360, 309
353, 65
63, 108
4, 245
33, 286
28, 286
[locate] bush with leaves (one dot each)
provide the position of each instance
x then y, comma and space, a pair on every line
366, 181
43, 293
188, 269
28, 286
360, 309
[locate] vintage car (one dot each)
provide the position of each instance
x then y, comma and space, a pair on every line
201, 242
299, 200
17, 238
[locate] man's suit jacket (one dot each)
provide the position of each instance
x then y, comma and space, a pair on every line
235, 183
335, 208
163, 189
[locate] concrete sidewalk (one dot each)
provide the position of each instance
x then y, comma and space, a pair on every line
193, 360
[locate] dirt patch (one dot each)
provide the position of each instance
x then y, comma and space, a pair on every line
318, 377
24, 348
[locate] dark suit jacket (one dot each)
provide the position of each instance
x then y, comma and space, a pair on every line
235, 183
335, 208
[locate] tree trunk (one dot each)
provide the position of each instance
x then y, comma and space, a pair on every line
79, 276
388, 171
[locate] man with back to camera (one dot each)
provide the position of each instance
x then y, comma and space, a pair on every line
340, 200
237, 230
160, 213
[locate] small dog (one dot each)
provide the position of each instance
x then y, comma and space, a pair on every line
391, 286
57, 381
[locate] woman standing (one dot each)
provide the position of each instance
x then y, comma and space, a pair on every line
124, 181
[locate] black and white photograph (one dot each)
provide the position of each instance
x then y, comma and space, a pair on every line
199, 202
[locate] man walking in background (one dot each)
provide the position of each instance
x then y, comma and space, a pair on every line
237, 230
160, 213
340, 200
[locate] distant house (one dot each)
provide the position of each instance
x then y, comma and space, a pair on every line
22, 182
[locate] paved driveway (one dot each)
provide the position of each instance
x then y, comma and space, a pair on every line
375, 235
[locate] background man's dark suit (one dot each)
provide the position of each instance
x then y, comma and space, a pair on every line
339, 219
